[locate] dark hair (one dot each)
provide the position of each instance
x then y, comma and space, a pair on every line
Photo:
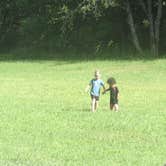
111, 81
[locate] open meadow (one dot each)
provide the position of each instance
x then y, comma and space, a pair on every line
45, 118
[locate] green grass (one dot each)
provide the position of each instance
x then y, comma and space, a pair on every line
45, 117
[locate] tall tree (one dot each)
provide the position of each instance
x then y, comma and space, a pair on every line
132, 27
154, 19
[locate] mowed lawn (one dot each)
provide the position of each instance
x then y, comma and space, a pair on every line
45, 118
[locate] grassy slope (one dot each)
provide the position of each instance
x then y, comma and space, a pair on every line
45, 118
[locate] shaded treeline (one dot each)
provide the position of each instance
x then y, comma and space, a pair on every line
95, 26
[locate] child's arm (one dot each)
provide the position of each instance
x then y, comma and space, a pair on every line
104, 87
87, 88
105, 90
102, 84
118, 94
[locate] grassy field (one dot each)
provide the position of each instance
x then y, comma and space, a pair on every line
45, 117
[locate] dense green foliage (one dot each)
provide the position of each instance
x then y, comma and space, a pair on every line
90, 26
45, 117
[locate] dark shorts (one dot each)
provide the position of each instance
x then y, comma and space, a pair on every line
96, 97
113, 101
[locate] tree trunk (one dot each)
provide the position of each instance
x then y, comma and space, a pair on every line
132, 28
157, 26
154, 27
151, 29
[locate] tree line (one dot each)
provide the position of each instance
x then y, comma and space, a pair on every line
85, 25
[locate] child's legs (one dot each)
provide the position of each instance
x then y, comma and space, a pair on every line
111, 106
93, 104
115, 107
96, 104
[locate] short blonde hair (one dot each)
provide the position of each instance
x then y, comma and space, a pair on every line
97, 72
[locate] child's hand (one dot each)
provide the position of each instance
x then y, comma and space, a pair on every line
87, 89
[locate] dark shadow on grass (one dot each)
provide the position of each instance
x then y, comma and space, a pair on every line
70, 57
76, 110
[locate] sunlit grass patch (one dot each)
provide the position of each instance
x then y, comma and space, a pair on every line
45, 117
